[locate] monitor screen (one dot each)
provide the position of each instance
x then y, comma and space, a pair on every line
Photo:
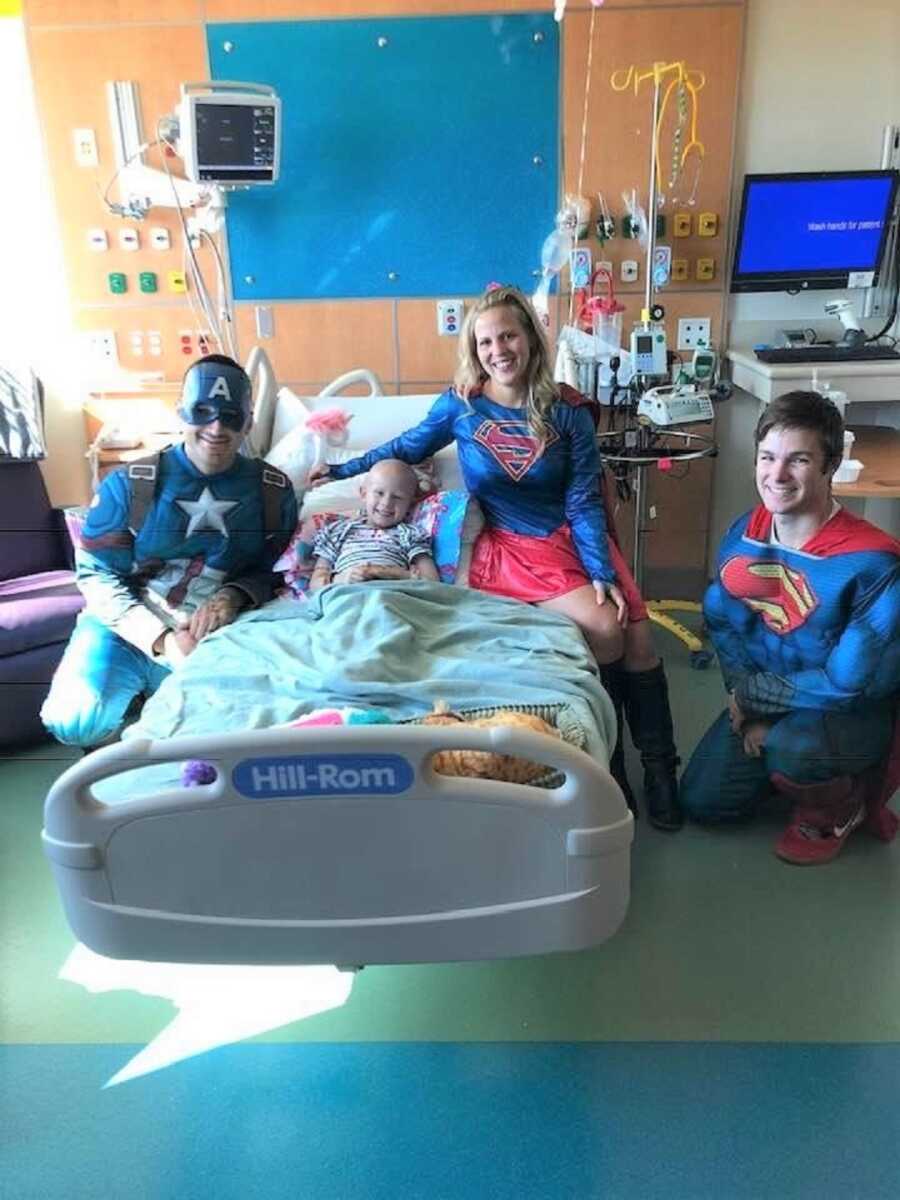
821, 230
230, 139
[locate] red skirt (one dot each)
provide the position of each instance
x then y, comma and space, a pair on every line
533, 569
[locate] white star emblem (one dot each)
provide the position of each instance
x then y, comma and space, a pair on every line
207, 512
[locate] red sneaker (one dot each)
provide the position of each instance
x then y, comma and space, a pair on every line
820, 824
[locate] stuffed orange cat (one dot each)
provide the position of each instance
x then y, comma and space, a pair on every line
482, 764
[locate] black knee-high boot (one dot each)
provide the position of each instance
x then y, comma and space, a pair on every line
646, 696
613, 679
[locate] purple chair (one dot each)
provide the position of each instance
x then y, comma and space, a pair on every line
38, 599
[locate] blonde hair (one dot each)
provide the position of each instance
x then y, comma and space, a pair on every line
543, 392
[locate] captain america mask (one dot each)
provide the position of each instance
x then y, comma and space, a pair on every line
216, 392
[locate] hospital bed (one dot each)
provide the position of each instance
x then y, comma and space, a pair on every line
342, 844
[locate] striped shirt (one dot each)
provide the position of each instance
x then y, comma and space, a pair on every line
349, 541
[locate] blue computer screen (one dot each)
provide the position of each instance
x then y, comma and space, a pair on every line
813, 224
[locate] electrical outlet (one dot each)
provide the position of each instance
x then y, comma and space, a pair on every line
449, 317
85, 143
693, 333
100, 350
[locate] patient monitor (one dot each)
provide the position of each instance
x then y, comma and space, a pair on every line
229, 134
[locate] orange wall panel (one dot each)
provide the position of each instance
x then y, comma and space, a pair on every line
425, 355
171, 322
71, 68
619, 124
110, 12
315, 342
305, 10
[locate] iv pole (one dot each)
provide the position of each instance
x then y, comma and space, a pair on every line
640, 496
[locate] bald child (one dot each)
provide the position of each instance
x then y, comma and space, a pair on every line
379, 543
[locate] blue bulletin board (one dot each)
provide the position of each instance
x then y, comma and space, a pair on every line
419, 156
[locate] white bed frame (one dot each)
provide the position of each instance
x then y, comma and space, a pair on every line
340, 845
434, 870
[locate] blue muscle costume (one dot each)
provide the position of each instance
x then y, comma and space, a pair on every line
199, 533
808, 639
522, 487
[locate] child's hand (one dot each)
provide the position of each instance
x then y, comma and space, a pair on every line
363, 572
358, 574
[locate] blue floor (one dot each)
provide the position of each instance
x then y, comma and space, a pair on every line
448, 1121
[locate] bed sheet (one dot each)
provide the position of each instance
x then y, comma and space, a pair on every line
399, 646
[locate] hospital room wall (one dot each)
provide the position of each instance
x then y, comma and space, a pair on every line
817, 90
162, 44
813, 91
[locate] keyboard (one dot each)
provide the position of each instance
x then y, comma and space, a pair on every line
786, 355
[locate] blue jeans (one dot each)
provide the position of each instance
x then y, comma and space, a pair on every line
722, 783
99, 676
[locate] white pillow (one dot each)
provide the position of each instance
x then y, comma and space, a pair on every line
375, 419
340, 496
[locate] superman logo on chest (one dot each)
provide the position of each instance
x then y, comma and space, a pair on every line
513, 445
781, 595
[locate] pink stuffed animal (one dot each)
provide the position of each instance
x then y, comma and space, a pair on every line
330, 427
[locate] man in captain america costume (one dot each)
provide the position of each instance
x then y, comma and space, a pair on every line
173, 547
804, 613
527, 451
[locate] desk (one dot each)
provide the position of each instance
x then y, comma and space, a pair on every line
148, 412
879, 451
869, 381
104, 461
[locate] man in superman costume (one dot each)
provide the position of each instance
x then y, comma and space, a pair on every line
173, 547
804, 613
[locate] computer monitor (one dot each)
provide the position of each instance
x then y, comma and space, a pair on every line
823, 229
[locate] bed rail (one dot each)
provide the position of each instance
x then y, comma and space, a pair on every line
338, 845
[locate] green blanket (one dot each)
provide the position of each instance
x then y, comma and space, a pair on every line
398, 646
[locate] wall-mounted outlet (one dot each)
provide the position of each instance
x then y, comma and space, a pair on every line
85, 142
629, 270
693, 333
449, 317
100, 350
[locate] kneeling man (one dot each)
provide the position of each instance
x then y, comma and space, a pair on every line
174, 547
804, 613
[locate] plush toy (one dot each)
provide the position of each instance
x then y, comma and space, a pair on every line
481, 764
309, 443
196, 772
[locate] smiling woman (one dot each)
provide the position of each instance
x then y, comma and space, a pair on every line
527, 451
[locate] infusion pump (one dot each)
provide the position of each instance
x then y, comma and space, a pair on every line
677, 404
